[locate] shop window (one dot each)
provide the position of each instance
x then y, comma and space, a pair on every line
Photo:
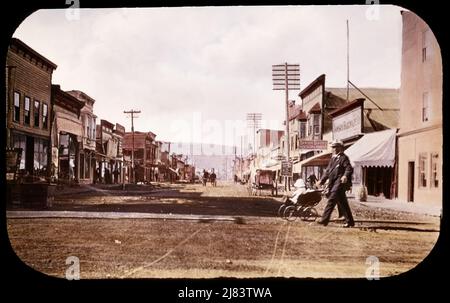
16, 107
40, 157
423, 170
20, 142
435, 170
37, 105
26, 112
82, 165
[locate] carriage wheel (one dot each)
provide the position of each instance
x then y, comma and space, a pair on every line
309, 214
290, 213
281, 210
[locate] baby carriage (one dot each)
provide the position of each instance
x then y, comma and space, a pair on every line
303, 205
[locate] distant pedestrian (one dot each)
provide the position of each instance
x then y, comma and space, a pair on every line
98, 175
205, 177
107, 176
213, 179
116, 176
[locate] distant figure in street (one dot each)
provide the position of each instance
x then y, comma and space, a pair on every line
339, 175
98, 176
205, 177
107, 176
116, 176
212, 178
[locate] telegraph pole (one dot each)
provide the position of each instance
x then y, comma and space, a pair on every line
132, 113
286, 77
240, 162
254, 120
348, 62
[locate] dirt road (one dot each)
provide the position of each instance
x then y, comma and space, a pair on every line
269, 247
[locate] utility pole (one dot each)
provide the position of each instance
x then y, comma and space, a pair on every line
348, 62
241, 160
254, 120
132, 113
286, 77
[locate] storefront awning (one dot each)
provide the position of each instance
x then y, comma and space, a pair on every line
374, 149
272, 165
321, 159
68, 123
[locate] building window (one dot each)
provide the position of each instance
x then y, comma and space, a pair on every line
40, 157
36, 113
19, 141
44, 115
93, 129
296, 141
425, 106
16, 107
310, 125
316, 120
316, 130
434, 170
26, 113
302, 130
426, 45
423, 170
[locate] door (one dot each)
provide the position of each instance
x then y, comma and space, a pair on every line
411, 181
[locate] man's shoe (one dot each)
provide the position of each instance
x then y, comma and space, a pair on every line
348, 225
322, 222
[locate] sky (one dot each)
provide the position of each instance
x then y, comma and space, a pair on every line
195, 72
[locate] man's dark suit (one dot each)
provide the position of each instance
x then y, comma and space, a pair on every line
339, 166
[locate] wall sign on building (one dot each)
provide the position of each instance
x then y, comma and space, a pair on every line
348, 124
313, 144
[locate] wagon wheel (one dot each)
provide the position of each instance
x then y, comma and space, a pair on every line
290, 213
310, 213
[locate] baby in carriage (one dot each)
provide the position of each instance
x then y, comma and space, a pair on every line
300, 189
